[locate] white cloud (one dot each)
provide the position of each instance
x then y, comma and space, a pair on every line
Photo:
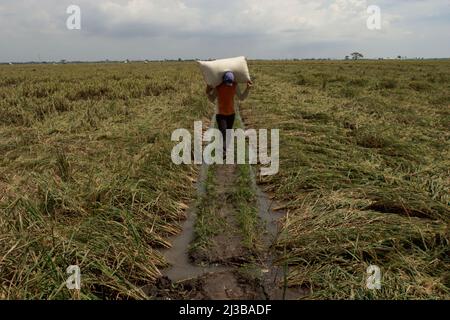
205, 27
238, 16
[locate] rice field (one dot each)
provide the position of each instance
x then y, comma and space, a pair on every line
364, 173
86, 176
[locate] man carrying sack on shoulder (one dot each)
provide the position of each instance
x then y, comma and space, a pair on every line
225, 93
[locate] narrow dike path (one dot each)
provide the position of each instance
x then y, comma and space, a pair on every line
225, 250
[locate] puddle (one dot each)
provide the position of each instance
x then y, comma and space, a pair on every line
178, 255
273, 275
269, 217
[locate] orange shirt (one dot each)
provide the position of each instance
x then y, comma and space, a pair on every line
225, 97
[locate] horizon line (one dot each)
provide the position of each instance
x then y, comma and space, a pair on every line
63, 61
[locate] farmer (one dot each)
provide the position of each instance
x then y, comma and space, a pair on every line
225, 94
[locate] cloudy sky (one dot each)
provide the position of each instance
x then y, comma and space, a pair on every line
158, 29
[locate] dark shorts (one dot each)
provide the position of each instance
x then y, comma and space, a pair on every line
224, 123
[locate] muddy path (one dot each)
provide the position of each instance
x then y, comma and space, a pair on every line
226, 249
225, 245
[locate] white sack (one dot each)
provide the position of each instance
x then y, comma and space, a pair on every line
213, 71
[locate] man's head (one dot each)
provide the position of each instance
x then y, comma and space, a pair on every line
228, 78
